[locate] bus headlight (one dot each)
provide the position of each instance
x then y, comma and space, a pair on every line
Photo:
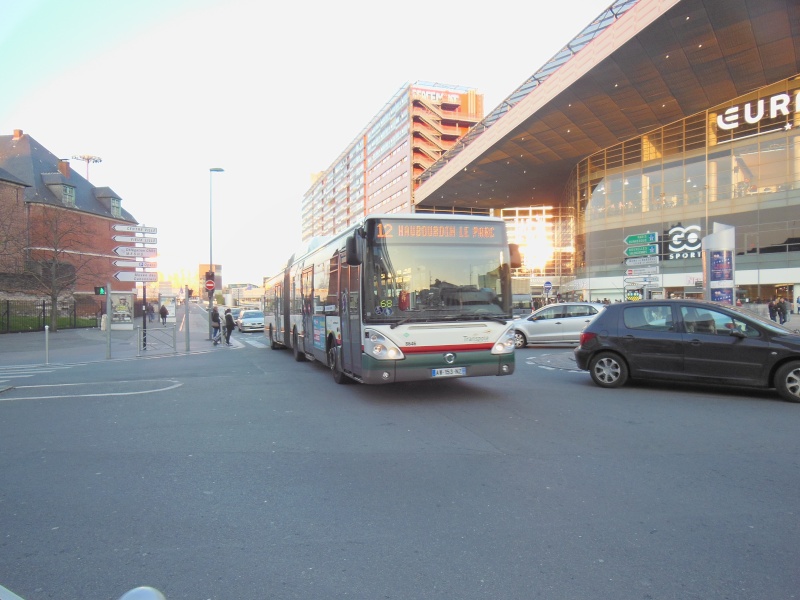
505, 345
381, 348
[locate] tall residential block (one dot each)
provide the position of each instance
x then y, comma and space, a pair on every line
376, 172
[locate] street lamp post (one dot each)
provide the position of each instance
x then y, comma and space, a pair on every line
211, 172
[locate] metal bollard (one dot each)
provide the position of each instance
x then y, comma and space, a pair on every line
47, 344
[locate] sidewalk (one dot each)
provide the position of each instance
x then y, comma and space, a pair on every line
70, 346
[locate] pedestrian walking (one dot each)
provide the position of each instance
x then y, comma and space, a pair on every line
782, 310
215, 326
163, 312
229, 325
151, 312
773, 309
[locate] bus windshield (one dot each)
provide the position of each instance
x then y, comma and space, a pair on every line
441, 271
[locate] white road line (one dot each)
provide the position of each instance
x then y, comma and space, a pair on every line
173, 382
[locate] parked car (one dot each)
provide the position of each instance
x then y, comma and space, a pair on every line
690, 340
560, 322
250, 320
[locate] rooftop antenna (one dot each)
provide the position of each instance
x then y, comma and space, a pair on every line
88, 158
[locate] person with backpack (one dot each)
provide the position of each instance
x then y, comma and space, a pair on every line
215, 326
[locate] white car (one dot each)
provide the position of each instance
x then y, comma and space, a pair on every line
250, 320
561, 322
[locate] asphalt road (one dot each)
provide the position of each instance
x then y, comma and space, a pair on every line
241, 474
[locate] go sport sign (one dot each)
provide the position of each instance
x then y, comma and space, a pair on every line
779, 105
684, 242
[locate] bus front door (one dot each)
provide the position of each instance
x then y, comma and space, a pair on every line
351, 321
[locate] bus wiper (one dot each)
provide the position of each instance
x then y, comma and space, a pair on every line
400, 322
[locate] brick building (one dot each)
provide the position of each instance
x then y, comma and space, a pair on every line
56, 228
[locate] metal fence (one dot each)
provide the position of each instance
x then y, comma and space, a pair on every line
32, 315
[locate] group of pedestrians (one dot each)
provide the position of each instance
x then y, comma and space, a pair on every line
778, 310
163, 312
220, 328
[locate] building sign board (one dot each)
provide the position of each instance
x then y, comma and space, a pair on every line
684, 242
750, 113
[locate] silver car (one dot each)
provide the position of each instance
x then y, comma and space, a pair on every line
561, 322
250, 320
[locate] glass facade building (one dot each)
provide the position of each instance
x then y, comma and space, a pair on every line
736, 164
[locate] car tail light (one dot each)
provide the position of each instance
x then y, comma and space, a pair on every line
586, 337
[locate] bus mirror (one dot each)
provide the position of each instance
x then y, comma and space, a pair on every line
515, 256
352, 256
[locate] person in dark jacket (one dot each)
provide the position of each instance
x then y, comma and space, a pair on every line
215, 326
163, 312
229, 325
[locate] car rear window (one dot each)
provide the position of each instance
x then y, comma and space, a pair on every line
648, 318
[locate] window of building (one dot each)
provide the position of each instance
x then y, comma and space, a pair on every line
68, 195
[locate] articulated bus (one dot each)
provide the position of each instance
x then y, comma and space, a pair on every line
399, 298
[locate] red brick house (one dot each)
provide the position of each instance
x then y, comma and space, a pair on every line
56, 228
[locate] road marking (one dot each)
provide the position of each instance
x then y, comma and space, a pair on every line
22, 388
256, 344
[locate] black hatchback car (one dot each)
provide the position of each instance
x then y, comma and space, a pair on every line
690, 340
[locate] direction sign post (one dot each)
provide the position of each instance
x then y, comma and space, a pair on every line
136, 265
133, 238
135, 251
642, 260
135, 276
135, 229
648, 250
638, 239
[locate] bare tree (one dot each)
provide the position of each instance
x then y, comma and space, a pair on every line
60, 253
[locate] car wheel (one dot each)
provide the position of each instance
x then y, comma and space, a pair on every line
608, 370
787, 381
520, 341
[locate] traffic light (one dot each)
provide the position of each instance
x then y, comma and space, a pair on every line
210, 275
191, 292
100, 290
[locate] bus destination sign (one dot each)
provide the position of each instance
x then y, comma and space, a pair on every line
410, 231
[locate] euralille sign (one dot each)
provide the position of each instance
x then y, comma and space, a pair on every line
779, 105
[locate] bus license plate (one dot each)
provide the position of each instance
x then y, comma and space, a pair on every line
449, 372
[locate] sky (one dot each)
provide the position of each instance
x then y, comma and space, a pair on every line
164, 90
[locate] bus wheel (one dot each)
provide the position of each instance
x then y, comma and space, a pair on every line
335, 363
272, 343
299, 355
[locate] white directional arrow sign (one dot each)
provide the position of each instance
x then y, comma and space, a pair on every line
133, 238
132, 264
131, 276
135, 229
131, 251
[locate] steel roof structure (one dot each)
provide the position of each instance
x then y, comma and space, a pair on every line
639, 66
